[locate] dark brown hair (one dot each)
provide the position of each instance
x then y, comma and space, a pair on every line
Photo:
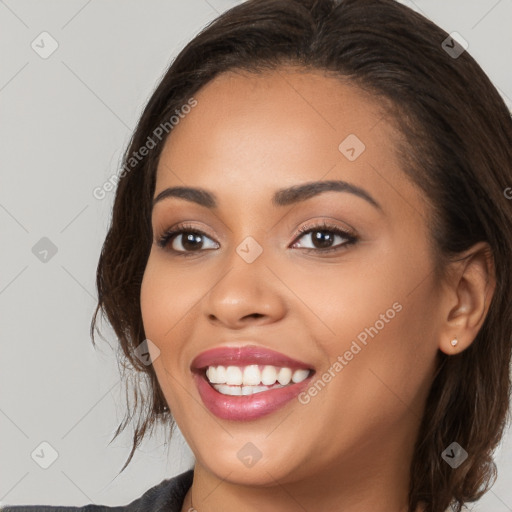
458, 139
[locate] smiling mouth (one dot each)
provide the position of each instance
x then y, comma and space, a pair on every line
245, 383
252, 379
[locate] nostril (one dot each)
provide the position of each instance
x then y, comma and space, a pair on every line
256, 315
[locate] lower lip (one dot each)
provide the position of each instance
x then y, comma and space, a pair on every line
246, 407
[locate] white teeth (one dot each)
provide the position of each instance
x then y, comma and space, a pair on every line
254, 376
300, 375
247, 390
228, 390
250, 390
251, 375
233, 376
216, 374
284, 376
221, 374
243, 390
268, 375
211, 374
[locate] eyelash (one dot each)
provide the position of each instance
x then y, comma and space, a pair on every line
351, 239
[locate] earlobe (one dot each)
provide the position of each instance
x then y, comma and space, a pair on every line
468, 299
450, 346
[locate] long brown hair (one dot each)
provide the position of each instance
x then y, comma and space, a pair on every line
458, 150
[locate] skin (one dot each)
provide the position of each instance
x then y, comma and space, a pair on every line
350, 447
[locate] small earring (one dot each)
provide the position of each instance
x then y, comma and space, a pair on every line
454, 342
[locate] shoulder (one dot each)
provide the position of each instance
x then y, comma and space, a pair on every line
168, 495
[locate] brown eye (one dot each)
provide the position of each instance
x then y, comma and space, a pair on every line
325, 238
190, 241
183, 240
322, 239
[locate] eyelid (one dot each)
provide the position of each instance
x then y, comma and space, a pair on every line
311, 226
324, 225
167, 234
327, 222
323, 222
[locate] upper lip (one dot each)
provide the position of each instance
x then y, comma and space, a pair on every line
245, 355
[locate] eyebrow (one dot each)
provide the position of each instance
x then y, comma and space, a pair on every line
283, 197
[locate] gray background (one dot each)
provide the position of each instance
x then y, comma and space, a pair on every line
65, 121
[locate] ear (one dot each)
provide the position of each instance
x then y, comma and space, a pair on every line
466, 297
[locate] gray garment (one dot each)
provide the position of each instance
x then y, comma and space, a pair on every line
167, 496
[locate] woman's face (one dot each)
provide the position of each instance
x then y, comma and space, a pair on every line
360, 312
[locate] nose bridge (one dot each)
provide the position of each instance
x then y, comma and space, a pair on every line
250, 250
246, 289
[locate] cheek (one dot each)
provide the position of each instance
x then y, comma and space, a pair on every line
166, 298
376, 316
340, 300
379, 292
164, 302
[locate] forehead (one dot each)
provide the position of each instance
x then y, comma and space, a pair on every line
304, 102
252, 131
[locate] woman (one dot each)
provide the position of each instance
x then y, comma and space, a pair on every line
308, 261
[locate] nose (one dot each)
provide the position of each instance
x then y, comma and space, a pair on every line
246, 294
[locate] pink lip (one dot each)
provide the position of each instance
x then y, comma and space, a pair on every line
245, 407
242, 356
